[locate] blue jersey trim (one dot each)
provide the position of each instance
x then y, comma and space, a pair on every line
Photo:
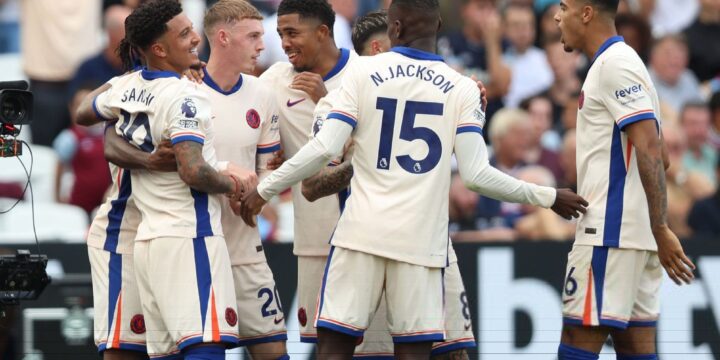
114, 287
308, 339
417, 54
196, 139
268, 150
616, 192
262, 340
157, 74
339, 328
207, 79
97, 112
342, 117
633, 119
342, 61
434, 337
442, 349
606, 45
203, 275
117, 212
469, 129
324, 280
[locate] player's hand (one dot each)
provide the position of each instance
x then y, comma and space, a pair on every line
277, 160
672, 257
163, 158
247, 179
483, 91
196, 75
569, 204
310, 83
252, 204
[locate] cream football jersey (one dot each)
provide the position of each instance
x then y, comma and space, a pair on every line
406, 106
153, 106
246, 125
314, 221
116, 220
617, 92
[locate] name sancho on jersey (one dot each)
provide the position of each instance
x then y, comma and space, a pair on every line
413, 71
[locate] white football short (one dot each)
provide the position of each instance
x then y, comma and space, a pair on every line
260, 313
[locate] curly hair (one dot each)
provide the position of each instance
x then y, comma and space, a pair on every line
144, 26
366, 26
309, 9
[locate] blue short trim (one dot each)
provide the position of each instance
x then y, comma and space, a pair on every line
308, 339
226, 340
339, 328
442, 349
124, 346
262, 340
642, 324
603, 322
433, 337
177, 356
567, 352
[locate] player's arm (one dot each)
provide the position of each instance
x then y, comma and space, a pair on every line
121, 153
329, 181
87, 113
197, 173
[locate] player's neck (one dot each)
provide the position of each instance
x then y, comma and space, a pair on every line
423, 44
155, 65
596, 39
326, 64
224, 74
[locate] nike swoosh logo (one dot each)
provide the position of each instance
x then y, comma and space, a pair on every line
293, 103
277, 321
567, 301
468, 326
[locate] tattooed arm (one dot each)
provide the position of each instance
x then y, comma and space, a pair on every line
328, 181
649, 152
197, 173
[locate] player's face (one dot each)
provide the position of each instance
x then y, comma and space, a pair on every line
301, 39
569, 20
246, 42
180, 44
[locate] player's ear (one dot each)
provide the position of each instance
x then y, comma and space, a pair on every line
440, 22
588, 13
158, 49
323, 30
375, 47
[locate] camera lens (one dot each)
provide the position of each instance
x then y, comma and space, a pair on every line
11, 109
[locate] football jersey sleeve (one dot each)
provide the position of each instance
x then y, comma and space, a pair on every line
269, 140
188, 117
625, 91
322, 110
344, 105
472, 117
101, 105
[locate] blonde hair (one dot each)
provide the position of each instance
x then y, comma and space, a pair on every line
228, 12
504, 120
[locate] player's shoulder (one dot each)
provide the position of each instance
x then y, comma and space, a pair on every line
280, 69
620, 56
256, 84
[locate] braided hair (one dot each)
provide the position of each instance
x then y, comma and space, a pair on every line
144, 26
366, 26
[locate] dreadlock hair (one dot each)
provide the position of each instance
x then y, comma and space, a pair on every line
144, 26
309, 9
367, 26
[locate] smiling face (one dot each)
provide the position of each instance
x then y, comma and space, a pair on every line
302, 39
569, 19
178, 45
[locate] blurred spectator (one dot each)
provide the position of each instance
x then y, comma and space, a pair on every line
564, 66
540, 122
714, 136
704, 42
540, 108
56, 36
568, 161
345, 13
9, 26
106, 64
510, 134
570, 110
699, 156
548, 30
531, 73
674, 83
539, 223
477, 49
672, 16
683, 187
80, 149
636, 32
704, 218
642, 8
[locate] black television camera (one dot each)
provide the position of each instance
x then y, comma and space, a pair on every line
16, 104
22, 277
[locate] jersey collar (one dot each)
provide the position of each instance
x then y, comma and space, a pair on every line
606, 45
417, 54
152, 74
211, 83
342, 61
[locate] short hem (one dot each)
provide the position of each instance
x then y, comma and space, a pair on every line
341, 328
262, 339
617, 324
642, 323
227, 340
173, 356
376, 356
123, 346
308, 339
428, 337
447, 347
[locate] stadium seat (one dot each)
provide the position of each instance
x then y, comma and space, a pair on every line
44, 172
54, 223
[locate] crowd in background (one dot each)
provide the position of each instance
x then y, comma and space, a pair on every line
513, 46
